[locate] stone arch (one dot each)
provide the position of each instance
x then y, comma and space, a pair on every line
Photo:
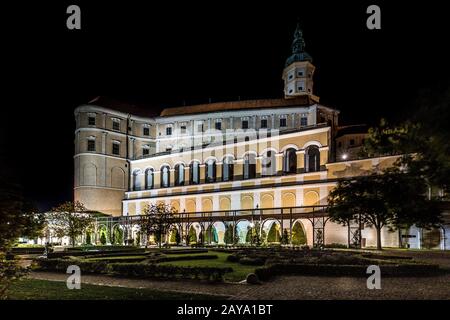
207, 205
90, 174
267, 201
298, 234
271, 231
117, 178
225, 203
289, 146
175, 204
247, 202
288, 200
137, 173
117, 236
190, 205
312, 143
220, 228
311, 198
242, 228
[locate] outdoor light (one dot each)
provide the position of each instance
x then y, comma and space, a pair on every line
344, 156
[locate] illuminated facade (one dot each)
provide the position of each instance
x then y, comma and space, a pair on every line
221, 159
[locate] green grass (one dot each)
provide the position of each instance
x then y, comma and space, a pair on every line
239, 273
31, 289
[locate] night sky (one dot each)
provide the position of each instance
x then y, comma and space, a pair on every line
161, 55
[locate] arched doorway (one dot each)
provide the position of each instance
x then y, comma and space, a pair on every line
298, 236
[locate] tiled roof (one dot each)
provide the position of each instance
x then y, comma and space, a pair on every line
239, 105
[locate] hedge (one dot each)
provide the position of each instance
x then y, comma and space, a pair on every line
102, 248
184, 251
266, 272
187, 257
167, 271
62, 264
25, 250
141, 270
92, 254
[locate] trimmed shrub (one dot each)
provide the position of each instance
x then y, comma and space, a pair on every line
267, 272
252, 261
233, 258
62, 264
252, 279
187, 257
184, 251
167, 271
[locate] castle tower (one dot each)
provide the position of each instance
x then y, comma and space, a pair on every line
299, 70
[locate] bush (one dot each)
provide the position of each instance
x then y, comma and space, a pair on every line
233, 258
62, 264
187, 257
266, 272
167, 271
252, 279
336, 245
184, 251
252, 261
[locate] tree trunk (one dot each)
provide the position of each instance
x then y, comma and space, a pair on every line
379, 238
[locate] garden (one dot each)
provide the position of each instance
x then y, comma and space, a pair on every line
233, 264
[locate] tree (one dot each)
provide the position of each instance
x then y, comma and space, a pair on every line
88, 238
285, 237
177, 238
70, 219
157, 219
103, 238
393, 199
18, 217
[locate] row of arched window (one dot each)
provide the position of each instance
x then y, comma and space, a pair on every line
268, 168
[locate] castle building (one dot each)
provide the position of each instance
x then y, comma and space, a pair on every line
275, 156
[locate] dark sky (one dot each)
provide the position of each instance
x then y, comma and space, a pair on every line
160, 55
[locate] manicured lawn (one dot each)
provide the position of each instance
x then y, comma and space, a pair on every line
31, 289
239, 273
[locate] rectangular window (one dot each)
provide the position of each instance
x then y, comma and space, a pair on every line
352, 142
91, 145
263, 123
116, 149
168, 131
168, 149
91, 120
183, 129
282, 122
146, 131
145, 151
218, 125
303, 121
116, 125
244, 124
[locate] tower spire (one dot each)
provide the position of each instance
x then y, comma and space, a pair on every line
298, 71
298, 48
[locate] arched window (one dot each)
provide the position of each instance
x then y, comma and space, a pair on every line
149, 179
194, 172
165, 177
312, 159
136, 180
249, 166
290, 161
227, 169
268, 164
210, 171
179, 174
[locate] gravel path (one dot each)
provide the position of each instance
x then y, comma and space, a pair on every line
288, 287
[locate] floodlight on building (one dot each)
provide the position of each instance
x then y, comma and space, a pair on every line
344, 156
